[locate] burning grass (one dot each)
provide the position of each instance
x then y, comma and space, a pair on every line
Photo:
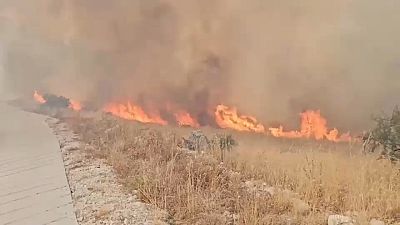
313, 124
197, 188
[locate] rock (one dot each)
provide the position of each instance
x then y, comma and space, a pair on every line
376, 222
340, 220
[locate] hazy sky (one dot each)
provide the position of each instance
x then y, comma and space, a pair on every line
272, 59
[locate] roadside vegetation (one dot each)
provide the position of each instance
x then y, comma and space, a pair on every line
284, 182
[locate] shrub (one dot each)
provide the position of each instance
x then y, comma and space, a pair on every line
385, 135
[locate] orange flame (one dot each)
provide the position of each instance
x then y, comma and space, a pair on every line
39, 98
313, 125
278, 132
131, 111
75, 105
227, 117
185, 119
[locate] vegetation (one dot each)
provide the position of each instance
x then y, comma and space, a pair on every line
257, 183
385, 136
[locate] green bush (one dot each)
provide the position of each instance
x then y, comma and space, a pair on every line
385, 136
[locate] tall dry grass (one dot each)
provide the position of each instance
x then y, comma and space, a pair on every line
197, 188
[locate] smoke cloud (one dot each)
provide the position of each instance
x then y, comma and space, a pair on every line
271, 59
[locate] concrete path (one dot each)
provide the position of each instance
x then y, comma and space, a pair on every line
33, 185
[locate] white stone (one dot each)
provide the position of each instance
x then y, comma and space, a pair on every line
376, 222
340, 220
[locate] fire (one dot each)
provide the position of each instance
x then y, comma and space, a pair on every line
130, 111
185, 119
38, 98
278, 132
313, 125
227, 117
75, 105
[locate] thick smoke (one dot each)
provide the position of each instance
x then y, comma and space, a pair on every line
272, 59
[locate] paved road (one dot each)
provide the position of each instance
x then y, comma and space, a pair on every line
33, 185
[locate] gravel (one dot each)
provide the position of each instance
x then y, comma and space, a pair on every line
98, 197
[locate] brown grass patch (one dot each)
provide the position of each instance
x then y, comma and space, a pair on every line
200, 189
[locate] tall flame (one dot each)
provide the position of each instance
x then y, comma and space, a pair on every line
130, 111
227, 117
313, 125
38, 97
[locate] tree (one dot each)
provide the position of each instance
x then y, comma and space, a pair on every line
385, 136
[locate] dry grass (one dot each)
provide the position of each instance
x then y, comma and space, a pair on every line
199, 189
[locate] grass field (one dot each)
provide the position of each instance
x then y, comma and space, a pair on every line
262, 181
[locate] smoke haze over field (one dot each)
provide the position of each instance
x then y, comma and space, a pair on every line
271, 59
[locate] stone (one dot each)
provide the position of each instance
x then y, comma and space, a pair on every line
340, 220
376, 222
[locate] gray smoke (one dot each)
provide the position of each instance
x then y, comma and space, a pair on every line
271, 59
